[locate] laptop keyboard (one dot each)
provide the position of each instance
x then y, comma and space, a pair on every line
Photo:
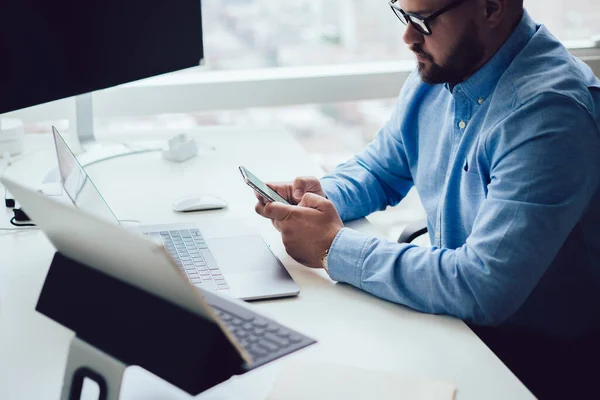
190, 252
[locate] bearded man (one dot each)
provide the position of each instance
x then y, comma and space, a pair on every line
498, 129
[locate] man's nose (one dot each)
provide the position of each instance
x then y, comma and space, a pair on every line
411, 35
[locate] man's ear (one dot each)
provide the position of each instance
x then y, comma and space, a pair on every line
495, 11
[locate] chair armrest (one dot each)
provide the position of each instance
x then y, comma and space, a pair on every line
413, 231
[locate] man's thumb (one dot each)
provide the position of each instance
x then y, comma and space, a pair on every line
315, 201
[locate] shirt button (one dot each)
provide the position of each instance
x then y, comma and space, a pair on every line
462, 124
480, 100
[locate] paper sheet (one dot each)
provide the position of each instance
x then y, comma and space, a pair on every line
300, 380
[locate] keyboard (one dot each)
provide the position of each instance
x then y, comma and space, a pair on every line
264, 339
190, 252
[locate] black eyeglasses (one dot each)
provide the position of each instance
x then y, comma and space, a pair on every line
419, 23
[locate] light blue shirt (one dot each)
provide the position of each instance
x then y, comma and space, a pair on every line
507, 165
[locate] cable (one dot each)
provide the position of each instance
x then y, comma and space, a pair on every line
12, 222
20, 216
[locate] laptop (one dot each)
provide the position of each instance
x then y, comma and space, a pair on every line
241, 266
126, 256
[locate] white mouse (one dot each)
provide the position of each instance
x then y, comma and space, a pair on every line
198, 203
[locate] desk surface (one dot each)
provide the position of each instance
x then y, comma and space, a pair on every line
352, 327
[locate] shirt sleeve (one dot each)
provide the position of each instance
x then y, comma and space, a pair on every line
544, 161
378, 176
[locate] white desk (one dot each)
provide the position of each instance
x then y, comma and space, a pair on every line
352, 327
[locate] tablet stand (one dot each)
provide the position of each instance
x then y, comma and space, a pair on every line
117, 325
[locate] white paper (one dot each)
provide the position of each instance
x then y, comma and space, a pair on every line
322, 380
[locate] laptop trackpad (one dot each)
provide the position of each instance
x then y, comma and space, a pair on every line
243, 254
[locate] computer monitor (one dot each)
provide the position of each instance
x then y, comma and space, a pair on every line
52, 49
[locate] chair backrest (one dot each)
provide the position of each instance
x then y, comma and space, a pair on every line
413, 231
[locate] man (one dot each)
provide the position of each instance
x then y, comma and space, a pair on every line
498, 130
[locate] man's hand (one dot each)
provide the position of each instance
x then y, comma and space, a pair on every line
307, 229
292, 191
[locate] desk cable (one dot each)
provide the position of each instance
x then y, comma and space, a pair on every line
20, 219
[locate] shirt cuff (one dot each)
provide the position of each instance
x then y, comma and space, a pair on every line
346, 256
331, 191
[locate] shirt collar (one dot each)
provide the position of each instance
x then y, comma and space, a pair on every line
479, 85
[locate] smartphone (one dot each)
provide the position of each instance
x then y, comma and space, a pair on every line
259, 187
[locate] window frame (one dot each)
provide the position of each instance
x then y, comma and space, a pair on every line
198, 91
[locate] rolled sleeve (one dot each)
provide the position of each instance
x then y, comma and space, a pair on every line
347, 255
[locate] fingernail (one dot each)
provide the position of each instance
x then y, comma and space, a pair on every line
297, 193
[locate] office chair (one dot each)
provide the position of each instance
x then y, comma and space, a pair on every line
413, 231
549, 367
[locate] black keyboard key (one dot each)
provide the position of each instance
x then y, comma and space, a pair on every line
276, 339
252, 339
295, 338
272, 328
239, 333
259, 323
283, 334
246, 318
257, 352
226, 317
271, 347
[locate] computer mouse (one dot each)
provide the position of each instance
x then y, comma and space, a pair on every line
199, 203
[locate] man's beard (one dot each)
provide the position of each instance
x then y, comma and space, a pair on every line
461, 63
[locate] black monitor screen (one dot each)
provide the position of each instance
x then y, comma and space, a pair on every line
51, 49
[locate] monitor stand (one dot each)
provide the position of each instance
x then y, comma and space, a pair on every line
89, 150
84, 144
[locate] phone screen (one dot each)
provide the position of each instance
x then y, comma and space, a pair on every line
260, 187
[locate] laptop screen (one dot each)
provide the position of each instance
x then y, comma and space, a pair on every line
77, 184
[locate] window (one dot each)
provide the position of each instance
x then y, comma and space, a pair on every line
241, 34
568, 20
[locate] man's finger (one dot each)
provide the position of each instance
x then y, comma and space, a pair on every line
276, 210
300, 187
260, 198
259, 208
276, 224
315, 201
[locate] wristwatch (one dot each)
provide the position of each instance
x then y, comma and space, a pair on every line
324, 261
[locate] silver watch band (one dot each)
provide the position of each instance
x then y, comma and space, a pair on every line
324, 261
